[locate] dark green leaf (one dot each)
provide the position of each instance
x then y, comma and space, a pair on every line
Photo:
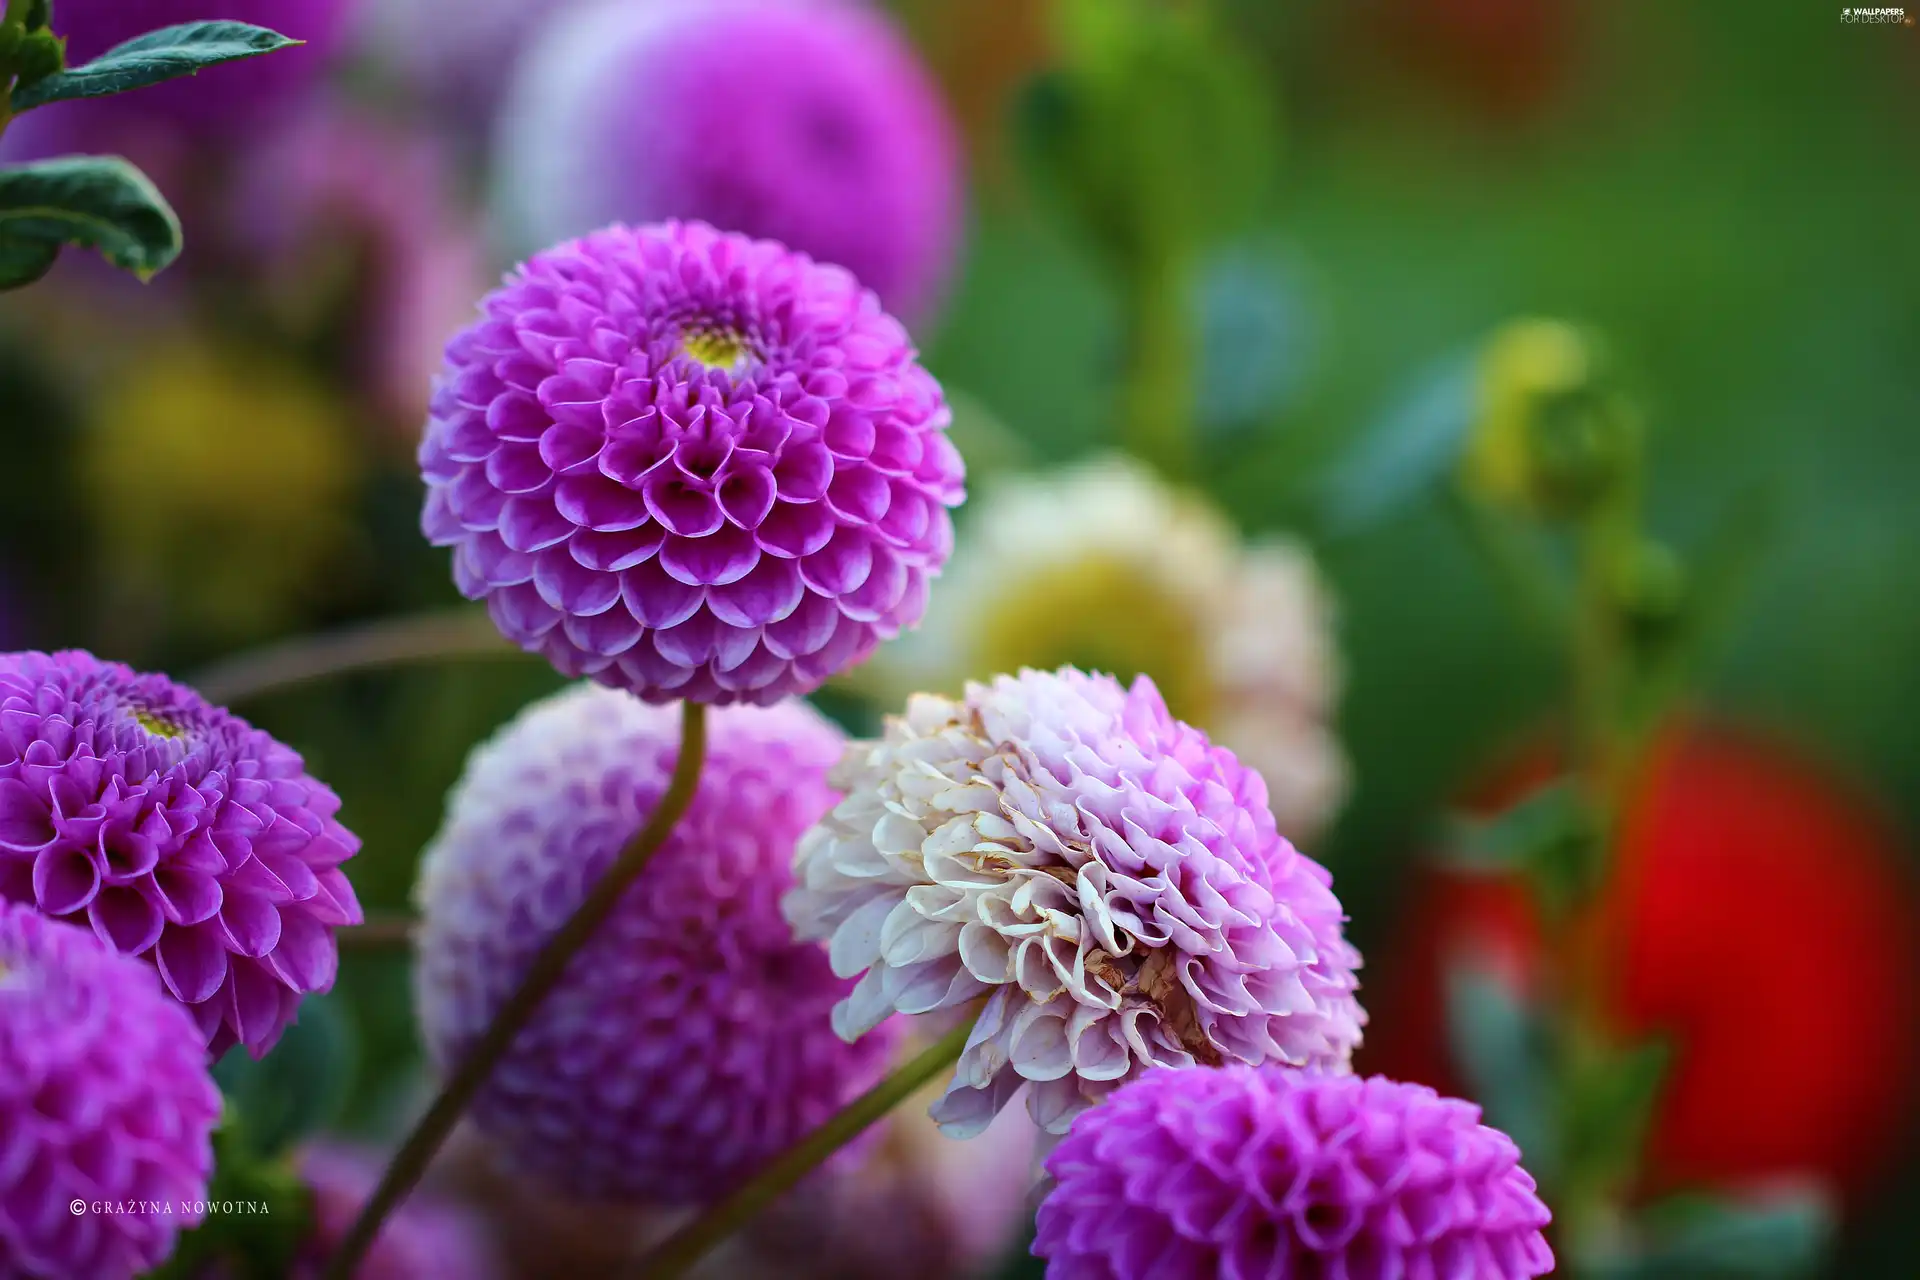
1500, 1047
39, 14
1608, 1104
154, 57
1780, 1238
24, 261
36, 59
300, 1087
96, 202
1407, 452
1551, 836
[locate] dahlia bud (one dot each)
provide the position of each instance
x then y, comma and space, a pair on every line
1272, 1172
690, 465
107, 1110
690, 1040
1111, 880
810, 122
175, 831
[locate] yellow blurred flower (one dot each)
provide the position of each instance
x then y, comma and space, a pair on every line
220, 486
1103, 566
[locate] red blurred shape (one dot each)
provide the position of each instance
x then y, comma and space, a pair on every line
1763, 921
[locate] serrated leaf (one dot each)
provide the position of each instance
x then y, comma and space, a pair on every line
1407, 452
95, 202
152, 58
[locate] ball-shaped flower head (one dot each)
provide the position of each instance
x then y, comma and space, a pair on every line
1104, 565
810, 122
175, 831
104, 1096
1267, 1171
690, 464
691, 1039
426, 1238
1108, 877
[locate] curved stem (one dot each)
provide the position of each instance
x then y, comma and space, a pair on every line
548, 967
389, 642
1158, 392
679, 1252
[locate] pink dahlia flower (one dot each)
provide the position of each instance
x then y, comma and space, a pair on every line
105, 1102
1111, 880
1265, 1171
691, 1039
175, 831
690, 464
811, 122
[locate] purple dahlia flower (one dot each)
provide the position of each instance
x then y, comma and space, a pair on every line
811, 122
691, 1039
1251, 1172
1110, 878
105, 1099
176, 831
690, 464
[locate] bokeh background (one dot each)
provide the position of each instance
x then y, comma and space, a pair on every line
1729, 192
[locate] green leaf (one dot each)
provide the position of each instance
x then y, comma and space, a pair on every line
1609, 1100
1552, 836
301, 1087
24, 261
39, 14
156, 56
1782, 1237
1407, 452
96, 202
1500, 1046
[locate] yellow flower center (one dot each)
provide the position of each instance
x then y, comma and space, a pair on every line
158, 725
715, 348
1107, 614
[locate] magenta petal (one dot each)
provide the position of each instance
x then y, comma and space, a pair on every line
125, 919
876, 596
657, 599
64, 880
840, 566
681, 506
518, 468
612, 552
849, 433
564, 447
607, 635
187, 897
804, 472
193, 962
859, 495
794, 529
250, 923
521, 614
531, 523
333, 901
307, 957
805, 630
595, 502
26, 826
769, 593
254, 1002
724, 556
291, 871
746, 496
570, 586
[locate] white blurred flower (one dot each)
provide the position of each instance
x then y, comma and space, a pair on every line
1103, 566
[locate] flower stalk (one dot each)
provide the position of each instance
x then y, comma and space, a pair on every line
410, 1163
676, 1255
388, 642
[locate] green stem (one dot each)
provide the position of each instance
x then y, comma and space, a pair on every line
388, 642
1518, 562
380, 932
680, 1251
1161, 350
548, 967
